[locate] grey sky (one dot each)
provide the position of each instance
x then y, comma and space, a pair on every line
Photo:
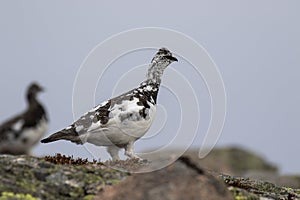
256, 45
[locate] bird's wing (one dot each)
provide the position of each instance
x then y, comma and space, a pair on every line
13, 125
99, 116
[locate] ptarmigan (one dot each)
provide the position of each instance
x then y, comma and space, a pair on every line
120, 121
19, 134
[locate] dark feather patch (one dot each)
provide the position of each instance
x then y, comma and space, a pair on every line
144, 95
103, 113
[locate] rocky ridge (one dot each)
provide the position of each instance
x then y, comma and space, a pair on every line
63, 177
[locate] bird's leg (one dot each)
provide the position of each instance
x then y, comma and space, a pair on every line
114, 152
130, 152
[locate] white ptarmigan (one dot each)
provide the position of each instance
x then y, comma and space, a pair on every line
120, 121
19, 134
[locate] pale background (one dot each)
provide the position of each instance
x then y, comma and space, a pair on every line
256, 45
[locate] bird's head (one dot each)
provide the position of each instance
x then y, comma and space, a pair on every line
161, 60
33, 90
163, 57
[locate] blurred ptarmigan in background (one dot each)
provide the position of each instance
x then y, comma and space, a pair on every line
19, 134
120, 121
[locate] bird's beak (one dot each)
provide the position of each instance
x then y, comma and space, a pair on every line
42, 89
172, 58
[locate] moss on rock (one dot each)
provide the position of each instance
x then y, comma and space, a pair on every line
13, 196
30, 178
26, 177
246, 189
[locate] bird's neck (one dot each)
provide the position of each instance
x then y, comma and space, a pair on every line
35, 108
150, 86
154, 73
32, 101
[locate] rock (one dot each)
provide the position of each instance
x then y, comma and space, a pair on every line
289, 180
235, 161
181, 180
243, 188
62, 177
26, 176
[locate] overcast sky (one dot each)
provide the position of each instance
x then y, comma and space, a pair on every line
256, 45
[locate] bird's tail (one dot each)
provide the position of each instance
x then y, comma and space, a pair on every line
64, 134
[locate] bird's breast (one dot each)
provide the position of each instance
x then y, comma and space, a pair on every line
133, 119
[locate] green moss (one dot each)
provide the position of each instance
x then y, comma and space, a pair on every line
13, 196
241, 187
113, 181
2, 187
22, 175
240, 194
76, 192
267, 187
86, 178
26, 185
288, 189
89, 197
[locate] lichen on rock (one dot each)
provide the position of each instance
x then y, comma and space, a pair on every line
246, 189
63, 177
26, 175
